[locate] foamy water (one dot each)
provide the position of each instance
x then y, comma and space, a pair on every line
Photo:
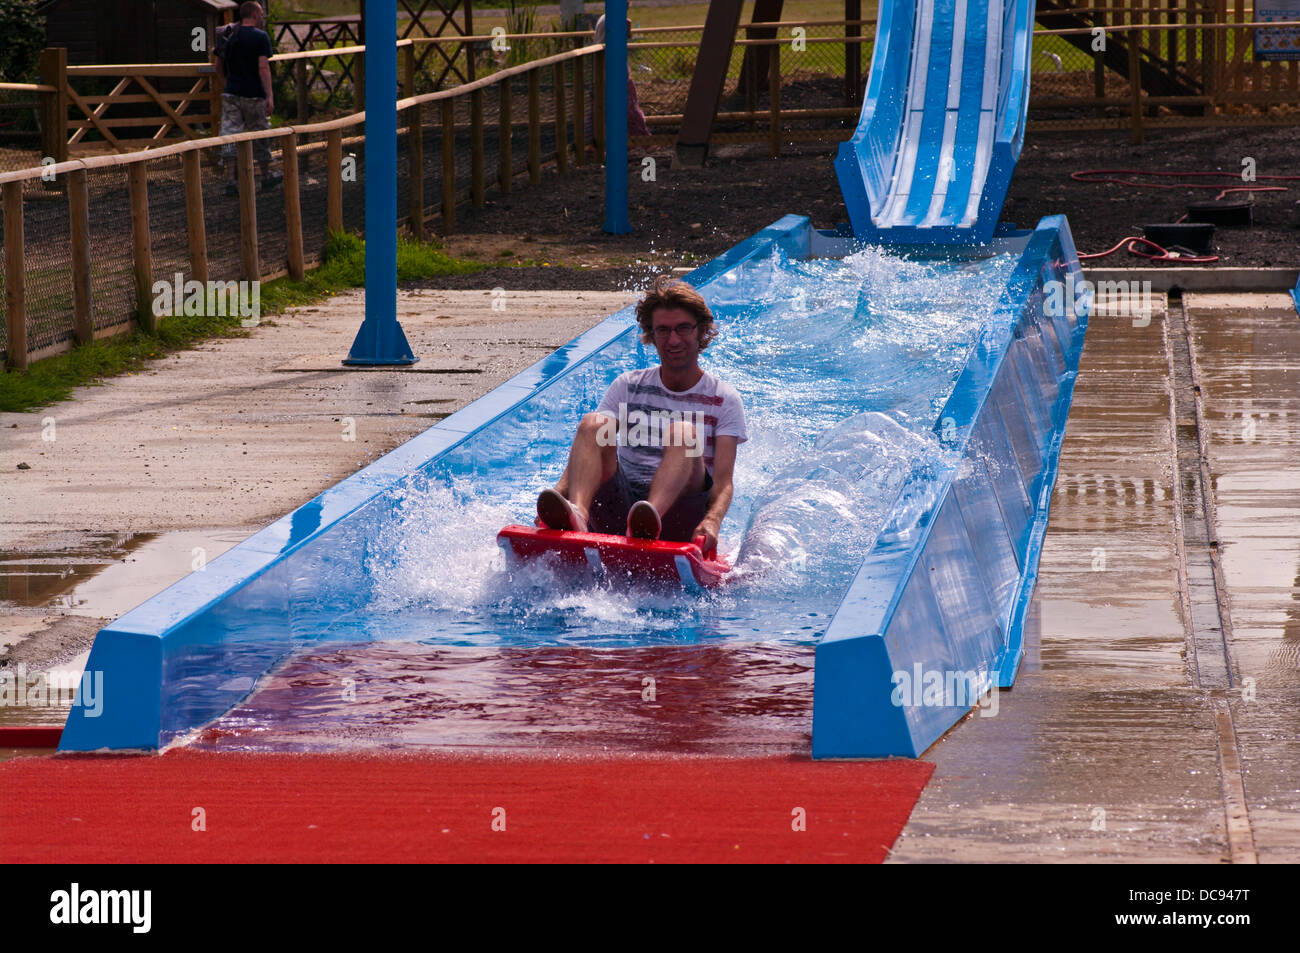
843, 367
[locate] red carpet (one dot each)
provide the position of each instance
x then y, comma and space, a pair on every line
441, 807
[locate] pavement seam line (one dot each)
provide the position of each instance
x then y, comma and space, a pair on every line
1208, 503
1241, 839
1176, 487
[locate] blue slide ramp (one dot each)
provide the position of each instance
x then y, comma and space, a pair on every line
942, 123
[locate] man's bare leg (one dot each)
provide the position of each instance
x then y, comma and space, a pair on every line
679, 472
590, 464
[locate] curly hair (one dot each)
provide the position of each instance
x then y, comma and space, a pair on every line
670, 292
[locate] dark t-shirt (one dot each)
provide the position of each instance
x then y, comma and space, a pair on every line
242, 51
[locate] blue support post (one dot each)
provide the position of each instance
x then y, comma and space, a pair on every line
380, 339
616, 220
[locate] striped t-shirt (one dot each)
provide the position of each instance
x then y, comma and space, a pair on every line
644, 410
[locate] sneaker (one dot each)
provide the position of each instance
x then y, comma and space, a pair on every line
643, 521
271, 181
555, 512
232, 189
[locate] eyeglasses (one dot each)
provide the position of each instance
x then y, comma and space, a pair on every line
681, 330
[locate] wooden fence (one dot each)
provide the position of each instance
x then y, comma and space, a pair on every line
566, 74
1193, 60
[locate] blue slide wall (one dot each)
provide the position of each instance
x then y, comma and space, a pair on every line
935, 618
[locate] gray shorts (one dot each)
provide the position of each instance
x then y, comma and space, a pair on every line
616, 495
245, 114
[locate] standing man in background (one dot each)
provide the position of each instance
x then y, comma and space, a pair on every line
243, 63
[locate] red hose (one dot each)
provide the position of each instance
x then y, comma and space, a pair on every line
1163, 254
1088, 175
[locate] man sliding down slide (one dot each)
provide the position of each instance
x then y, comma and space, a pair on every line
656, 457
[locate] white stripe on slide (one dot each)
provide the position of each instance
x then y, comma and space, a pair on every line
943, 173
993, 54
958, 53
983, 156
905, 165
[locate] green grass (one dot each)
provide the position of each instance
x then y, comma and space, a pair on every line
54, 378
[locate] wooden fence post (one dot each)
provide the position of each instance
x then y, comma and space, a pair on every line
15, 276
561, 120
534, 128
194, 222
598, 105
54, 107
774, 97
359, 81
579, 111
215, 106
300, 88
83, 322
414, 149
142, 253
476, 147
249, 266
334, 180
852, 53
505, 128
292, 208
448, 165
1135, 85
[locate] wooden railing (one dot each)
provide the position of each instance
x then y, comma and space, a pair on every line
1228, 82
567, 73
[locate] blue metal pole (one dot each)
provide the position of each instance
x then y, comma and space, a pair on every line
380, 339
616, 220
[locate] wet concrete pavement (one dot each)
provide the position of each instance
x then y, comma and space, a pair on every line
241, 430
232, 434
1155, 717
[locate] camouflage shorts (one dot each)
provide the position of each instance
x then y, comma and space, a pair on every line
245, 114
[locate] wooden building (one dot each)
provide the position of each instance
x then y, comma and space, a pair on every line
132, 31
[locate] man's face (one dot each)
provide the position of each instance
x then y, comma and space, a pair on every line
676, 338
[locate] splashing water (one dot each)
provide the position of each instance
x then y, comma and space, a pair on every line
844, 366
416, 634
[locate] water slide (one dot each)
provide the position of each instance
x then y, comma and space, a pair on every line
907, 416
942, 122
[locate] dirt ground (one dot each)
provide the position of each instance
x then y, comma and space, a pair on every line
686, 216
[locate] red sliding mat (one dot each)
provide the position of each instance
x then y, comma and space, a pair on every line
444, 807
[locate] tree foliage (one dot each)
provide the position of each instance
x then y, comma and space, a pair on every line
22, 37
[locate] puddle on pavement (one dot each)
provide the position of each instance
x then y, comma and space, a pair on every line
98, 575
106, 575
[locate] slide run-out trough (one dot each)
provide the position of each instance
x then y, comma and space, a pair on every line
944, 587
